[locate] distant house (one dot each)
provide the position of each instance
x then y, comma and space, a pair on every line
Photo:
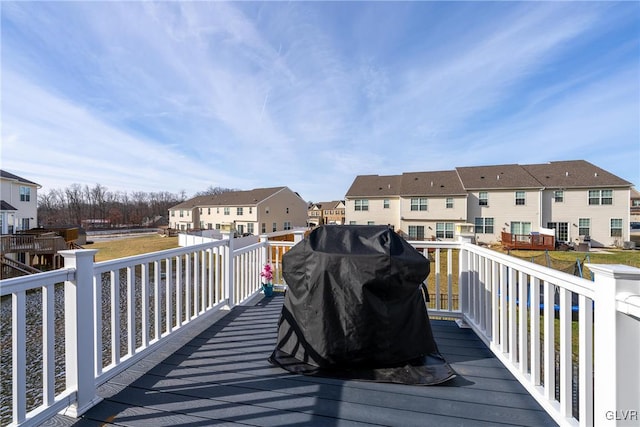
258, 211
18, 204
577, 199
326, 213
421, 205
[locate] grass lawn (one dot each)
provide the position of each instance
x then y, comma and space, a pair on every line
120, 248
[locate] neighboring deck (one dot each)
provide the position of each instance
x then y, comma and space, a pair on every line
219, 375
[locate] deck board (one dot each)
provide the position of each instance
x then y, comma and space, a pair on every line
219, 375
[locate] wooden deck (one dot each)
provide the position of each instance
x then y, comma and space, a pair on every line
219, 375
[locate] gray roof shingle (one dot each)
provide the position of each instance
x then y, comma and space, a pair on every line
9, 175
230, 198
573, 174
496, 177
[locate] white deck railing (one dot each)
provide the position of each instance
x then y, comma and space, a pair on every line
539, 322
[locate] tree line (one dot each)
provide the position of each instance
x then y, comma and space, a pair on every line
97, 207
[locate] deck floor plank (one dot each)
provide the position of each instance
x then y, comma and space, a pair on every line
219, 375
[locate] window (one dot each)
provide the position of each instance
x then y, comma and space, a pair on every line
520, 200
173, 213
444, 230
449, 203
287, 225
558, 196
239, 211
371, 223
201, 225
275, 227
226, 211
181, 213
616, 227
418, 203
483, 198
209, 226
635, 203
361, 204
416, 232
264, 227
25, 194
200, 211
25, 223
521, 228
584, 227
385, 204
600, 197
250, 227
484, 225
218, 227
208, 211
352, 223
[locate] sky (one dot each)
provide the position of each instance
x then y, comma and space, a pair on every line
183, 96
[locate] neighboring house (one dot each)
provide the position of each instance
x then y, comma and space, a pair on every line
326, 213
19, 203
258, 211
422, 205
577, 199
583, 202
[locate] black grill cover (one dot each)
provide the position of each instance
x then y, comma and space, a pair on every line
355, 308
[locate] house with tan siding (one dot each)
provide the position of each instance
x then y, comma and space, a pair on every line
257, 211
421, 205
18, 203
580, 201
583, 202
326, 213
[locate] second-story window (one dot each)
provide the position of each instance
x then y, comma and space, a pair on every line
275, 227
600, 197
385, 203
558, 196
287, 225
181, 213
239, 211
483, 198
226, 211
520, 198
25, 194
418, 203
449, 203
361, 204
208, 211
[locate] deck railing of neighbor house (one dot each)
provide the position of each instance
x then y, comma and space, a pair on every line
539, 322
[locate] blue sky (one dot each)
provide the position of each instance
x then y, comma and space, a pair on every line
172, 96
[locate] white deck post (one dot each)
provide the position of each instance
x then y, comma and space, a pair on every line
264, 255
229, 271
298, 236
616, 347
79, 330
463, 281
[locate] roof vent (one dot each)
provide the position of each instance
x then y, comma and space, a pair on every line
389, 186
566, 174
482, 177
498, 177
595, 174
432, 183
